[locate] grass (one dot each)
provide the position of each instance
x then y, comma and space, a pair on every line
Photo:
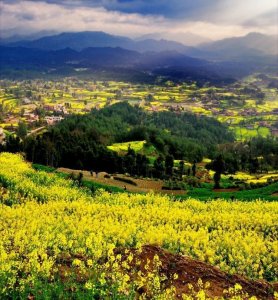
264, 193
245, 133
39, 167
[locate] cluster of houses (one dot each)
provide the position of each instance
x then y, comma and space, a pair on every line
30, 117
58, 108
275, 111
56, 112
274, 132
249, 112
51, 120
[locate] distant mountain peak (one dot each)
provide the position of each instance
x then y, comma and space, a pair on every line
252, 44
86, 39
255, 34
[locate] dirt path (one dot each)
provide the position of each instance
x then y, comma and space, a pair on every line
226, 190
142, 185
35, 131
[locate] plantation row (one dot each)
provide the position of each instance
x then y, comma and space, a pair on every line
57, 238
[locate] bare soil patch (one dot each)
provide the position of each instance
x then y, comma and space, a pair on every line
226, 190
141, 185
190, 270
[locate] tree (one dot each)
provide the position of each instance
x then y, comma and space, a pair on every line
217, 178
21, 130
169, 164
149, 98
79, 178
141, 164
130, 161
159, 168
253, 165
22, 111
194, 167
13, 144
28, 94
181, 168
40, 111
118, 94
218, 166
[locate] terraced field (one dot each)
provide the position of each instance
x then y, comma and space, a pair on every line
246, 115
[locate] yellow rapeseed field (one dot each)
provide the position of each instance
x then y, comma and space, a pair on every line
44, 218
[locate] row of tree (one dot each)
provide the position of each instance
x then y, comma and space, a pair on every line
80, 142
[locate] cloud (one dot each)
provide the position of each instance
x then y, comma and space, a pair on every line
214, 19
269, 18
206, 10
48, 16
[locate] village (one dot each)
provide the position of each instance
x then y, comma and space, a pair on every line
248, 110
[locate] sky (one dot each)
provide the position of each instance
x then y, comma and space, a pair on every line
179, 20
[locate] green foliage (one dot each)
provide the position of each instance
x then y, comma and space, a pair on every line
264, 193
39, 167
256, 155
21, 130
174, 185
80, 142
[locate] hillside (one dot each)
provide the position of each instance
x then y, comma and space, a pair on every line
59, 239
80, 141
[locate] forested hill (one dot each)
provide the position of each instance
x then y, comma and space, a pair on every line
80, 141
202, 129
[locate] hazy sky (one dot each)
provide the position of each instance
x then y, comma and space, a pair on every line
213, 19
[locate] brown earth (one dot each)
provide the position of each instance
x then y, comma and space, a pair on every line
142, 185
226, 190
189, 271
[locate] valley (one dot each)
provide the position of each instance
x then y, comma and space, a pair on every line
248, 107
138, 150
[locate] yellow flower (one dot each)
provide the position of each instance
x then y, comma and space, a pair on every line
89, 262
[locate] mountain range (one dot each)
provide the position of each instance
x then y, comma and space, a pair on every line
230, 48
226, 59
253, 44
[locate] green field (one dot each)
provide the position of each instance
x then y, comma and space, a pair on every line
245, 133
